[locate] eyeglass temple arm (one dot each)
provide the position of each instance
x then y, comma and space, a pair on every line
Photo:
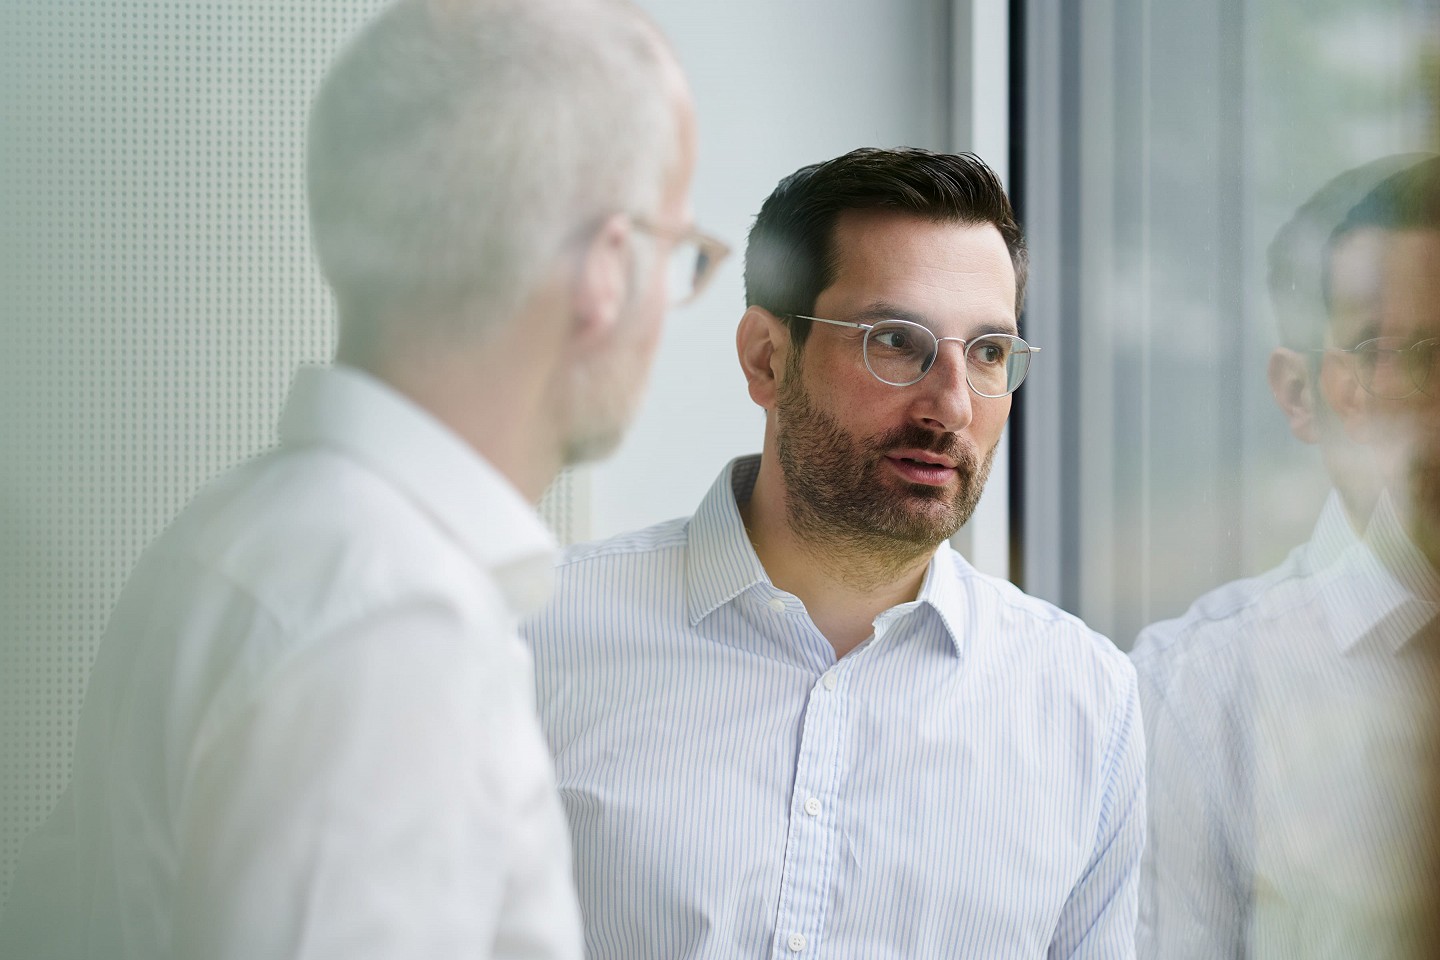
838, 323
867, 326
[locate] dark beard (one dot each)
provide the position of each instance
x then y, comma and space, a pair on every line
836, 494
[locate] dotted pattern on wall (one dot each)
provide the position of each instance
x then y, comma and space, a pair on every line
157, 292
566, 505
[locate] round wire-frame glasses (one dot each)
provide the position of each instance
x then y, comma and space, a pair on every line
901, 352
1394, 368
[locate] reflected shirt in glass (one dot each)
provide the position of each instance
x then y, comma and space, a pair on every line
1284, 763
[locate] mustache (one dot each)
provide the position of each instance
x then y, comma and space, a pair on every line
914, 436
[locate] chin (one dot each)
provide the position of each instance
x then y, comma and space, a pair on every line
589, 447
597, 427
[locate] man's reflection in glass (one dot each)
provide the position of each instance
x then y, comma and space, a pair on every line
1285, 713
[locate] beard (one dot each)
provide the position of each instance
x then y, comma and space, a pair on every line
838, 489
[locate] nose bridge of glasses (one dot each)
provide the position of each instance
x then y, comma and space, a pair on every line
962, 364
933, 354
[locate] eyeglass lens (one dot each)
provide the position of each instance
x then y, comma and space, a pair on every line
1394, 369
689, 269
900, 353
682, 271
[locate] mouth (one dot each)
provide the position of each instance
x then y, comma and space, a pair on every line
922, 466
924, 458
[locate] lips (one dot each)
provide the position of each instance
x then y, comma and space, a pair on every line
923, 458
921, 467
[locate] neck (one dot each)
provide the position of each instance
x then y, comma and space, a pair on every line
844, 582
504, 411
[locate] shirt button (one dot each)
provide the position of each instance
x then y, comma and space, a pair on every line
777, 604
797, 942
830, 680
812, 807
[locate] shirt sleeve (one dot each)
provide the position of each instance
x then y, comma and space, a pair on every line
1098, 920
368, 802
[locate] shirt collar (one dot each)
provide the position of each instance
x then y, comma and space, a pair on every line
1382, 586
1332, 536
721, 563
364, 419
946, 590
720, 560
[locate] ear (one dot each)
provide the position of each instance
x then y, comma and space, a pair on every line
762, 342
602, 279
1346, 397
1294, 391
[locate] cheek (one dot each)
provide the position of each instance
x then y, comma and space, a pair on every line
650, 320
861, 404
989, 421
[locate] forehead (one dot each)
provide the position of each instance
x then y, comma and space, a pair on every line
1386, 284
942, 272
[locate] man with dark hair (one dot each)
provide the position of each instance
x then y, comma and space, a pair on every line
1285, 713
798, 721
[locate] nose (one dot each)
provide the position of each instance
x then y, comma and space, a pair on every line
943, 396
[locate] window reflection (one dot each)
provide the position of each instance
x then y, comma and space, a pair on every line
1224, 202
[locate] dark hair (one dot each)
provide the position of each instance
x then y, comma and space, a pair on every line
1298, 257
790, 256
1408, 200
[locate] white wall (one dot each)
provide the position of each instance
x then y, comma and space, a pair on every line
777, 85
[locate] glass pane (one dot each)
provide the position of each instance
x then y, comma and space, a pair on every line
1222, 200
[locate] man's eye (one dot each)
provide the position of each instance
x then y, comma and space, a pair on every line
1426, 352
988, 352
1370, 355
892, 339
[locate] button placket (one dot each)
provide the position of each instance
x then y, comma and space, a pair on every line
811, 844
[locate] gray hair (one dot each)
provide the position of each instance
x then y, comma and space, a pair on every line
457, 147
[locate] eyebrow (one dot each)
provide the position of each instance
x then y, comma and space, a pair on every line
885, 310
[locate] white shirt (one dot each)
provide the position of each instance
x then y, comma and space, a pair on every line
1285, 809
967, 783
310, 730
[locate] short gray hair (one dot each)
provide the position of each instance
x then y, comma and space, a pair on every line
457, 146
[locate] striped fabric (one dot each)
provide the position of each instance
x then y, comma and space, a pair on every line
1286, 764
968, 783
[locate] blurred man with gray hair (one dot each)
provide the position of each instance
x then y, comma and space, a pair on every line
310, 729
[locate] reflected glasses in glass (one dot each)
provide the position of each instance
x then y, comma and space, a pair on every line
901, 352
1394, 368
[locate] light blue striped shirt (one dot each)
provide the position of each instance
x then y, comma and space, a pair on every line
969, 782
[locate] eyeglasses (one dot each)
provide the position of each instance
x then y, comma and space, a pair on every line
691, 263
899, 352
1394, 368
